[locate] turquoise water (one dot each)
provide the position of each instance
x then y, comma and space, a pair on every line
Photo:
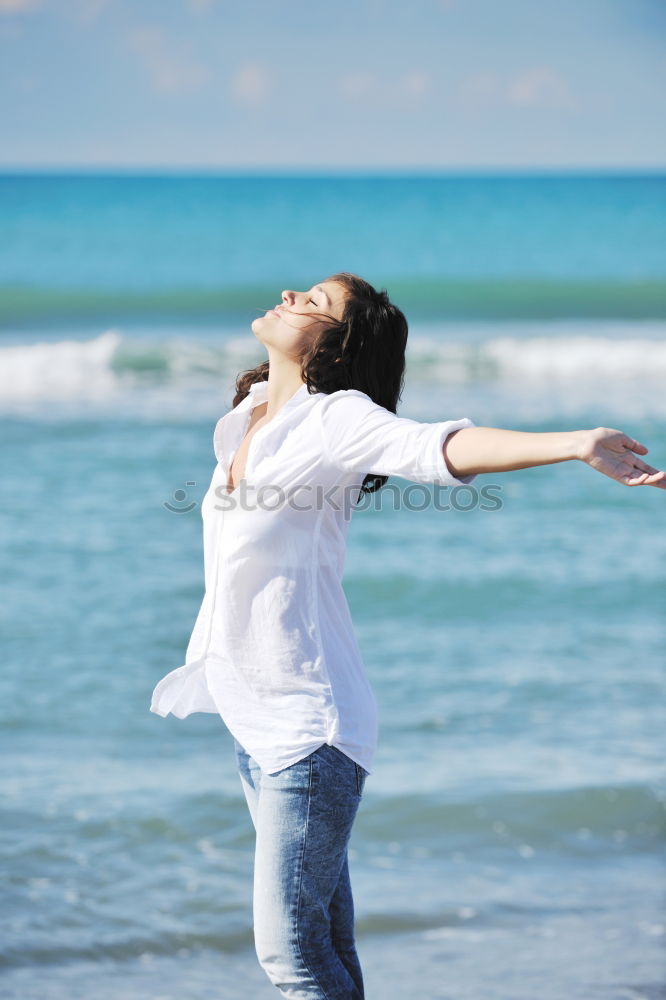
510, 843
109, 248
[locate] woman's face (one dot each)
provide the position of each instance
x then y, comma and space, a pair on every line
291, 326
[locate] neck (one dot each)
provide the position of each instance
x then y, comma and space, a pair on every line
284, 379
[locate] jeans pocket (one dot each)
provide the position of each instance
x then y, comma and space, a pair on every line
361, 775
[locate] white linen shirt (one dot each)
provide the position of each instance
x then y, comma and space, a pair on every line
273, 650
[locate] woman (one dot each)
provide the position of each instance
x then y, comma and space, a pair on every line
273, 649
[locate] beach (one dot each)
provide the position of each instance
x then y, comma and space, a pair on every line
510, 841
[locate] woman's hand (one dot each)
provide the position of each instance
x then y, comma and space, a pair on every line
612, 452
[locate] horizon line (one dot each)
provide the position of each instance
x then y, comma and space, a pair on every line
329, 171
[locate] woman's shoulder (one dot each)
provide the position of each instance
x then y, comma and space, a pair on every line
345, 394
346, 411
348, 401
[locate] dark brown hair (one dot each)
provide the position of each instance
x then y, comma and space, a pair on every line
364, 350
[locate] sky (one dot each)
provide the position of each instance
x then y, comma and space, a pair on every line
350, 85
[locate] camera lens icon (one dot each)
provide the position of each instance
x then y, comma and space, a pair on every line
180, 496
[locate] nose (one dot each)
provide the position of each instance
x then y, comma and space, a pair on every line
288, 297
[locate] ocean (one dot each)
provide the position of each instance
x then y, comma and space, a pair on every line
510, 842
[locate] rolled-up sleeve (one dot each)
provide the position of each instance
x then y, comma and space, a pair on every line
361, 436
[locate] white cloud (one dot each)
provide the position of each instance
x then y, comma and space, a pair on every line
415, 84
250, 84
16, 6
170, 65
89, 9
541, 87
27, 83
408, 89
536, 87
358, 85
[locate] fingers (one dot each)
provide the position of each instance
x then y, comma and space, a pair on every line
644, 467
652, 478
658, 480
635, 446
646, 475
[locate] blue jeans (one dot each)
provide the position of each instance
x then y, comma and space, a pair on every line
302, 900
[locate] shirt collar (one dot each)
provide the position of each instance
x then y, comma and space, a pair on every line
258, 393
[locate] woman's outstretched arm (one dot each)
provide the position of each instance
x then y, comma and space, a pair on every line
493, 449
